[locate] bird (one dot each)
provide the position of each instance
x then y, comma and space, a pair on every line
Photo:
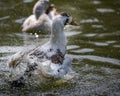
50, 59
41, 19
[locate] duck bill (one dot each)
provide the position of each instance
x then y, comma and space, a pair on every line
74, 23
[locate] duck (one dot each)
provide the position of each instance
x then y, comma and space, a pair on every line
41, 19
50, 59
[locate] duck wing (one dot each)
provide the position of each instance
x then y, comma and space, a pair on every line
53, 55
40, 7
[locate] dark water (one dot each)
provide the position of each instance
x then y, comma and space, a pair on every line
94, 46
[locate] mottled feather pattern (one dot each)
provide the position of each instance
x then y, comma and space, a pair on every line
56, 58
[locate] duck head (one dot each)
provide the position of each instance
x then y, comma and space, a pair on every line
69, 20
51, 11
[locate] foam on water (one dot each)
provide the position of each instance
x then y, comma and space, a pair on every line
10, 49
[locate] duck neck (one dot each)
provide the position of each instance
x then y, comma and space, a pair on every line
57, 35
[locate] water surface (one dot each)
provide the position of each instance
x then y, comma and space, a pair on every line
94, 47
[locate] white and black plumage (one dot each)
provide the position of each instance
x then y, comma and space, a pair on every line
41, 19
50, 59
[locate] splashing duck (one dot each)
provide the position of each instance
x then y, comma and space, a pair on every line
41, 19
48, 60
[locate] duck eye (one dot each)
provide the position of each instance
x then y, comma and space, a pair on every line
66, 21
65, 14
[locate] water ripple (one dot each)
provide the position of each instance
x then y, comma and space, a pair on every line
27, 1
97, 58
100, 44
96, 2
4, 18
89, 20
116, 46
90, 35
71, 33
70, 47
85, 50
20, 21
105, 10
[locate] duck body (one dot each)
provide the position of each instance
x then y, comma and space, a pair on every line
40, 21
42, 24
48, 60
